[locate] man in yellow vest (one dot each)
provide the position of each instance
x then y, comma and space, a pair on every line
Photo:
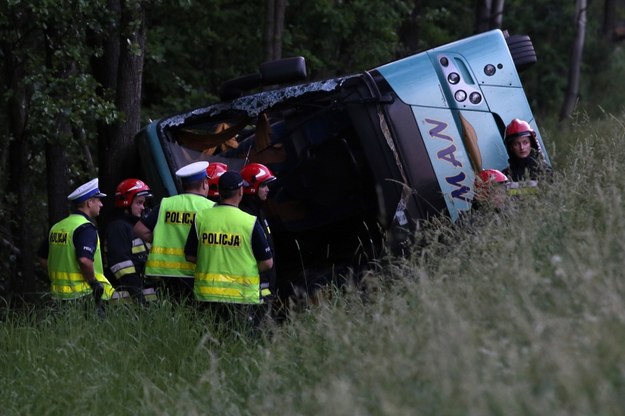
230, 249
167, 227
72, 251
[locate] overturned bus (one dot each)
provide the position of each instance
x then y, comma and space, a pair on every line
360, 159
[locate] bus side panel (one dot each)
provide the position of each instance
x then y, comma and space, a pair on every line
158, 175
414, 81
511, 103
488, 48
448, 156
492, 150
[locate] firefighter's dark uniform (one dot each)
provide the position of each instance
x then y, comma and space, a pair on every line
126, 255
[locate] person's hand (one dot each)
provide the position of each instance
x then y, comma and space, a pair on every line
266, 295
98, 290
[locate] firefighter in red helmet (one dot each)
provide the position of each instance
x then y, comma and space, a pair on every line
526, 162
258, 177
214, 171
126, 253
490, 189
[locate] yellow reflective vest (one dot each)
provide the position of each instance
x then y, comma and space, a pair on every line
175, 217
63, 269
226, 269
520, 188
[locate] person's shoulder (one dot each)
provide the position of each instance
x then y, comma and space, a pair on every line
119, 224
86, 231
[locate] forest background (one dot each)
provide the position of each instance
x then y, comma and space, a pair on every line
80, 77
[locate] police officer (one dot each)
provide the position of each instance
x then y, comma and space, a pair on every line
127, 254
258, 177
229, 248
72, 251
167, 227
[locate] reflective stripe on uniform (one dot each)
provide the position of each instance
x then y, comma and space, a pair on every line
172, 251
69, 285
138, 246
170, 265
67, 280
123, 268
224, 288
174, 221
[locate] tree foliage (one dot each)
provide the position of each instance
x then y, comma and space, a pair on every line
48, 93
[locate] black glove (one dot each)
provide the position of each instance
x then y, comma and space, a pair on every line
98, 290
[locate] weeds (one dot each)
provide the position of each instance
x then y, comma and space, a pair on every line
521, 313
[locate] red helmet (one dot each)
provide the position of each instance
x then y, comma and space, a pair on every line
214, 171
256, 174
485, 179
518, 128
488, 176
128, 189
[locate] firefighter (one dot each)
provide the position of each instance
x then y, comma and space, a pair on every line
259, 177
214, 171
127, 254
230, 250
167, 227
490, 189
72, 252
526, 161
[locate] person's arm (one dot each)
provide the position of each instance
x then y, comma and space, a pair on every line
43, 263
87, 270
119, 250
261, 248
265, 265
144, 228
42, 254
143, 232
190, 247
85, 243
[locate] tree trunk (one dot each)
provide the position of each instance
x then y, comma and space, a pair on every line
575, 63
57, 182
482, 15
488, 15
269, 25
19, 184
18, 178
120, 158
79, 135
609, 19
410, 31
497, 16
274, 29
105, 70
277, 45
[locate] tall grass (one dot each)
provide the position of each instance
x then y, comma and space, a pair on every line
521, 312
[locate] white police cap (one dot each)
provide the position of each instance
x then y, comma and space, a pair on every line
193, 172
86, 191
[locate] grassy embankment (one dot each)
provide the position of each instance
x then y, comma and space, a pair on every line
524, 314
